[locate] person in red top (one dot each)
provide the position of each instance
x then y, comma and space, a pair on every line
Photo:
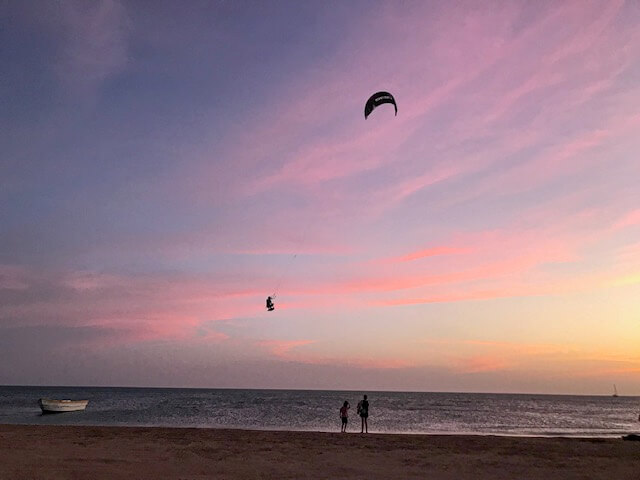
344, 415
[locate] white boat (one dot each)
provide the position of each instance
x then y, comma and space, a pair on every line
55, 406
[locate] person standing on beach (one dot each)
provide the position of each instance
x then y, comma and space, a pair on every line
344, 416
363, 411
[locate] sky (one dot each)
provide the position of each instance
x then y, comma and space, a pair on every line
165, 166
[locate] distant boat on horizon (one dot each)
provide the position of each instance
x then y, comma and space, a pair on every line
58, 406
615, 390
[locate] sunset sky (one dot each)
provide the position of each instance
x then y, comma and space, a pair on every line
166, 165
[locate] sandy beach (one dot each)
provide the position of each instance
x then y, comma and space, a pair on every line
64, 452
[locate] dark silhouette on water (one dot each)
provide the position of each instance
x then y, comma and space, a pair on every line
270, 306
363, 411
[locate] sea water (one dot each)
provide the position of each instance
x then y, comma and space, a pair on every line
316, 410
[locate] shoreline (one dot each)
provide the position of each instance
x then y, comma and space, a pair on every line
618, 434
60, 452
280, 430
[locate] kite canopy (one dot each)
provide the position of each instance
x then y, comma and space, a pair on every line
378, 99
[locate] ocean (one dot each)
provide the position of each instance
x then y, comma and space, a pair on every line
316, 410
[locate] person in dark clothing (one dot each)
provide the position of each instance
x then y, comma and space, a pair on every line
363, 411
270, 305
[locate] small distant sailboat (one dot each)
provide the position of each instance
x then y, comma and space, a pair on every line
57, 406
615, 390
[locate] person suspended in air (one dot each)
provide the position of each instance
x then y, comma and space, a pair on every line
270, 306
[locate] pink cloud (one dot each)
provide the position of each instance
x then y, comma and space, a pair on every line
301, 160
545, 286
288, 350
136, 308
630, 219
555, 66
367, 362
479, 44
87, 280
458, 297
505, 349
431, 252
282, 348
151, 328
586, 36
483, 363
560, 160
13, 277
555, 161
629, 254
483, 356
496, 263
609, 367
490, 254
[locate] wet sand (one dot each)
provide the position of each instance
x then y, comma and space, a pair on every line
64, 452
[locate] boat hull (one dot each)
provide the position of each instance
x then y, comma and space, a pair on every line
60, 406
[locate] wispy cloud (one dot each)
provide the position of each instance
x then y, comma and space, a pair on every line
282, 348
95, 42
289, 350
630, 219
13, 277
142, 307
430, 252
